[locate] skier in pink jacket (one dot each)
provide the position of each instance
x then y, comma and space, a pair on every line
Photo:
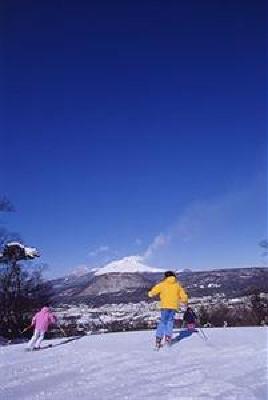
41, 322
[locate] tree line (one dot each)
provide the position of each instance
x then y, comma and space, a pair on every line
22, 287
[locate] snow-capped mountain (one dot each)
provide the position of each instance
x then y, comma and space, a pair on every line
125, 280
131, 264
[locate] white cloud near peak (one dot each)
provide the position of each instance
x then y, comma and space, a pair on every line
158, 242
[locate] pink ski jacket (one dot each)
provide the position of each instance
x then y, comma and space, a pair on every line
43, 319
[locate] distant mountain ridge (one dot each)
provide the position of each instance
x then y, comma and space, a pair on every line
130, 286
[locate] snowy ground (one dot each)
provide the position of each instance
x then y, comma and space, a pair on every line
231, 365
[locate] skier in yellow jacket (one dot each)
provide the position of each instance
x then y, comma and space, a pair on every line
171, 295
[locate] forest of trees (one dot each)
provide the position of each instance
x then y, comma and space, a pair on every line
255, 315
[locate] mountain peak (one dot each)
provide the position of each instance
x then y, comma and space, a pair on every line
130, 264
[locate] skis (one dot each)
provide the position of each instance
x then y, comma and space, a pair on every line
49, 346
170, 342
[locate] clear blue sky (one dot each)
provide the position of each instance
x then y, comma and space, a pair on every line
135, 128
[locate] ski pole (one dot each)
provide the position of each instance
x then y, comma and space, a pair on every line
200, 336
26, 329
62, 331
203, 333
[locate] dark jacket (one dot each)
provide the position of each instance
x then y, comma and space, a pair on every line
189, 317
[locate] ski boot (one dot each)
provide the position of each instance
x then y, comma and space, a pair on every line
168, 340
158, 343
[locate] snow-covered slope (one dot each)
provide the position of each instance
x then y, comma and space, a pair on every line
127, 264
230, 365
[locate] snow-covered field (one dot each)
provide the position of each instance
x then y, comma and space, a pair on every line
230, 365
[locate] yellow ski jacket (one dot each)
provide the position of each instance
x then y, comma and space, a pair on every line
171, 293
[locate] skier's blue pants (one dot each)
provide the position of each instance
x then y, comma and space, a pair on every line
165, 325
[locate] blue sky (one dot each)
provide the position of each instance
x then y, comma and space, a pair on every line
135, 128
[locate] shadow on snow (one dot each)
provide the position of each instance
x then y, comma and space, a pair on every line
182, 335
61, 343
